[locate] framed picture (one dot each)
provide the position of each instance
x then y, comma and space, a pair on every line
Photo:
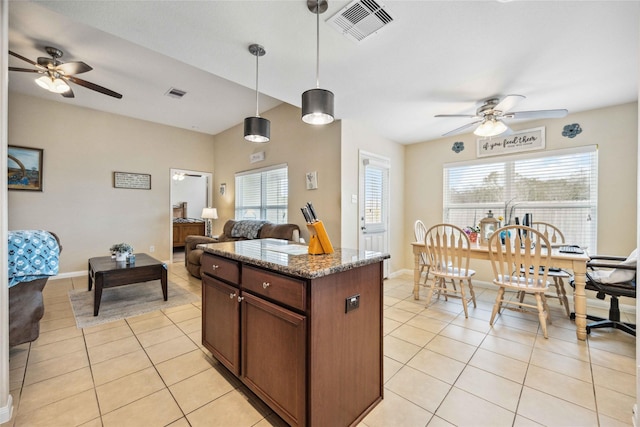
138, 181
24, 168
312, 180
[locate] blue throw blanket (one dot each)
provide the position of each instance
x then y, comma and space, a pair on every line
33, 254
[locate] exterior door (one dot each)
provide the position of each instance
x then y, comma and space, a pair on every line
374, 204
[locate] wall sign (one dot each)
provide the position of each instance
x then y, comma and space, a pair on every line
139, 181
526, 140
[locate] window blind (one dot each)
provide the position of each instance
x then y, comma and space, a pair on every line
559, 187
263, 194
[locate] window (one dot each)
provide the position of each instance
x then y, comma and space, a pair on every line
263, 194
559, 187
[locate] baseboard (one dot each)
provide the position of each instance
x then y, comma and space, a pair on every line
7, 410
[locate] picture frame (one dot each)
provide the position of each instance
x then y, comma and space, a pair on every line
24, 168
131, 180
312, 180
517, 142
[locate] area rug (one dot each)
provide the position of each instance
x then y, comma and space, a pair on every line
126, 301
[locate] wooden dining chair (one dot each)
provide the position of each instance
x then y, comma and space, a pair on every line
520, 264
419, 231
555, 237
448, 253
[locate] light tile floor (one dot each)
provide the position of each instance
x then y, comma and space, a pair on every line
440, 369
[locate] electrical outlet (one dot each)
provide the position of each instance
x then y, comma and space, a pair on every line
352, 302
152, 248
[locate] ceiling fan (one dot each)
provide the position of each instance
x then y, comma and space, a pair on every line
56, 75
492, 112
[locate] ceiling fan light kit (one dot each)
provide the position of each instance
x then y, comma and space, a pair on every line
317, 104
491, 127
257, 129
52, 84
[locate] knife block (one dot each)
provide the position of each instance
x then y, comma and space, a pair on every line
319, 242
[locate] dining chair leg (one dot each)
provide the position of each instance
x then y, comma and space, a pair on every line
542, 316
472, 292
464, 299
498, 305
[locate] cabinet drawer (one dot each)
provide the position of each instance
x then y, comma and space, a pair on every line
221, 268
276, 287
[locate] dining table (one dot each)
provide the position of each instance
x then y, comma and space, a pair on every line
575, 262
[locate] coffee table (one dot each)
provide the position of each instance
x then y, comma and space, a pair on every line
108, 273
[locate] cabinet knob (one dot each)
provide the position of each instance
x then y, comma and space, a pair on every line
214, 267
265, 285
240, 299
232, 296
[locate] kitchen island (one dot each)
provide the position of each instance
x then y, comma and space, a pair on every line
303, 332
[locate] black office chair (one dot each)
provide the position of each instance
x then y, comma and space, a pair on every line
616, 277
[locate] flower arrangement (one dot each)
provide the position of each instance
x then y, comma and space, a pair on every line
121, 247
468, 229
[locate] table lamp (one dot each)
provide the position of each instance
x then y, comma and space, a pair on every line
209, 214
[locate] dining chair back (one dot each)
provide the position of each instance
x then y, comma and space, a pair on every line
555, 237
448, 253
520, 264
419, 231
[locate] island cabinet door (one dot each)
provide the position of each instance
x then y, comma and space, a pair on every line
221, 322
273, 357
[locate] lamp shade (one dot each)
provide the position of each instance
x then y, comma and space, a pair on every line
317, 107
491, 127
257, 129
209, 213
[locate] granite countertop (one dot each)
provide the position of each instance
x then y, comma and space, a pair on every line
292, 258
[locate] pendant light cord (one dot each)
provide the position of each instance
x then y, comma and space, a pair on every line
318, 44
257, 109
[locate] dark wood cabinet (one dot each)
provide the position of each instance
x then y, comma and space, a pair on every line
292, 341
183, 229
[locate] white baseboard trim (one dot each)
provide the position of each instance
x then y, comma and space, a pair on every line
6, 411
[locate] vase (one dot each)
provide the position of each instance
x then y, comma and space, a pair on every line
121, 256
473, 237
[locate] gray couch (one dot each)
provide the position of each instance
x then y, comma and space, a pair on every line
236, 230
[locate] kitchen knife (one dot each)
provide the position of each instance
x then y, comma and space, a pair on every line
314, 217
305, 214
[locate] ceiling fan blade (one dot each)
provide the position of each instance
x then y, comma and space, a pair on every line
71, 68
469, 116
25, 59
94, 86
461, 128
538, 114
25, 70
68, 94
508, 102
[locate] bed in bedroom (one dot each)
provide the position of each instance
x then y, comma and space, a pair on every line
184, 226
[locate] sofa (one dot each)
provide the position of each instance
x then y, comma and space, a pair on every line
236, 230
33, 258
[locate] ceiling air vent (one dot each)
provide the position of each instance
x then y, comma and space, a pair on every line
175, 93
360, 19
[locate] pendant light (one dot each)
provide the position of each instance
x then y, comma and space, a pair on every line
257, 129
317, 104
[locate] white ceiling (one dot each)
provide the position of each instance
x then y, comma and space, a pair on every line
436, 57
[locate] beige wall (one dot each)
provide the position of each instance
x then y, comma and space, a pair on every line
613, 129
303, 148
356, 137
82, 149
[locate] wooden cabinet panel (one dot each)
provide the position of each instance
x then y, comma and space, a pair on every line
183, 229
274, 356
279, 288
221, 322
221, 268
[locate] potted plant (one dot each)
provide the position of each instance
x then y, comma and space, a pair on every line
472, 232
122, 251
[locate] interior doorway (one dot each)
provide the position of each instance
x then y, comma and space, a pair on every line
191, 189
